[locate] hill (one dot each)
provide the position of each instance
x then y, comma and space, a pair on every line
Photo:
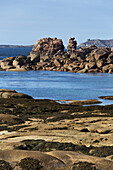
98, 43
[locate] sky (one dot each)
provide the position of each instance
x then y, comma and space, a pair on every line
23, 22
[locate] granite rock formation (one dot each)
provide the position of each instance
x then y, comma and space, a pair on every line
48, 46
72, 45
49, 54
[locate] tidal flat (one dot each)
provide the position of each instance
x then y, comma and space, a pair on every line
65, 133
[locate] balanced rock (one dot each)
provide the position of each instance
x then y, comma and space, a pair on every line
72, 45
6, 93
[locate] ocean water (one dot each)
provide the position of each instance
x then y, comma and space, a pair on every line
14, 52
59, 85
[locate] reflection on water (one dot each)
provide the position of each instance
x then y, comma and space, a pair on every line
59, 85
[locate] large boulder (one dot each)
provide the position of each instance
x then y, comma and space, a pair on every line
7, 63
110, 58
100, 63
100, 53
48, 46
87, 50
108, 68
90, 65
6, 93
19, 61
57, 63
33, 57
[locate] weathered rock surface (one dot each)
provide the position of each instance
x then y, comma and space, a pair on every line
48, 54
48, 46
5, 93
57, 160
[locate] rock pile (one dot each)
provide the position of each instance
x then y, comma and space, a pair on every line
20, 63
48, 54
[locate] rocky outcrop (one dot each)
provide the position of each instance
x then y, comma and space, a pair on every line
49, 54
48, 46
5, 93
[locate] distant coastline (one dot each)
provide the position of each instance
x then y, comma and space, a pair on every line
16, 46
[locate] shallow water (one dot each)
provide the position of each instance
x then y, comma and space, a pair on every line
59, 85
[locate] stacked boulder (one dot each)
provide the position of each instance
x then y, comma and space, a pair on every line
72, 45
49, 54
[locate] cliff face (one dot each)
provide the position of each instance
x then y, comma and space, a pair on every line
98, 43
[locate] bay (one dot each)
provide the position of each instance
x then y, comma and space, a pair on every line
59, 85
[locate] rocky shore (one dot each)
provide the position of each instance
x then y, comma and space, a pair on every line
46, 135
49, 54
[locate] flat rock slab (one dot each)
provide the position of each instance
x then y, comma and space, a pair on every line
106, 97
81, 102
57, 160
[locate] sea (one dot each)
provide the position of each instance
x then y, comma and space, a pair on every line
57, 85
9, 52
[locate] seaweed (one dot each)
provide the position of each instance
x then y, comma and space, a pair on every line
84, 166
5, 165
45, 146
30, 164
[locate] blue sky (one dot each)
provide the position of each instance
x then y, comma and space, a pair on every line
26, 21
